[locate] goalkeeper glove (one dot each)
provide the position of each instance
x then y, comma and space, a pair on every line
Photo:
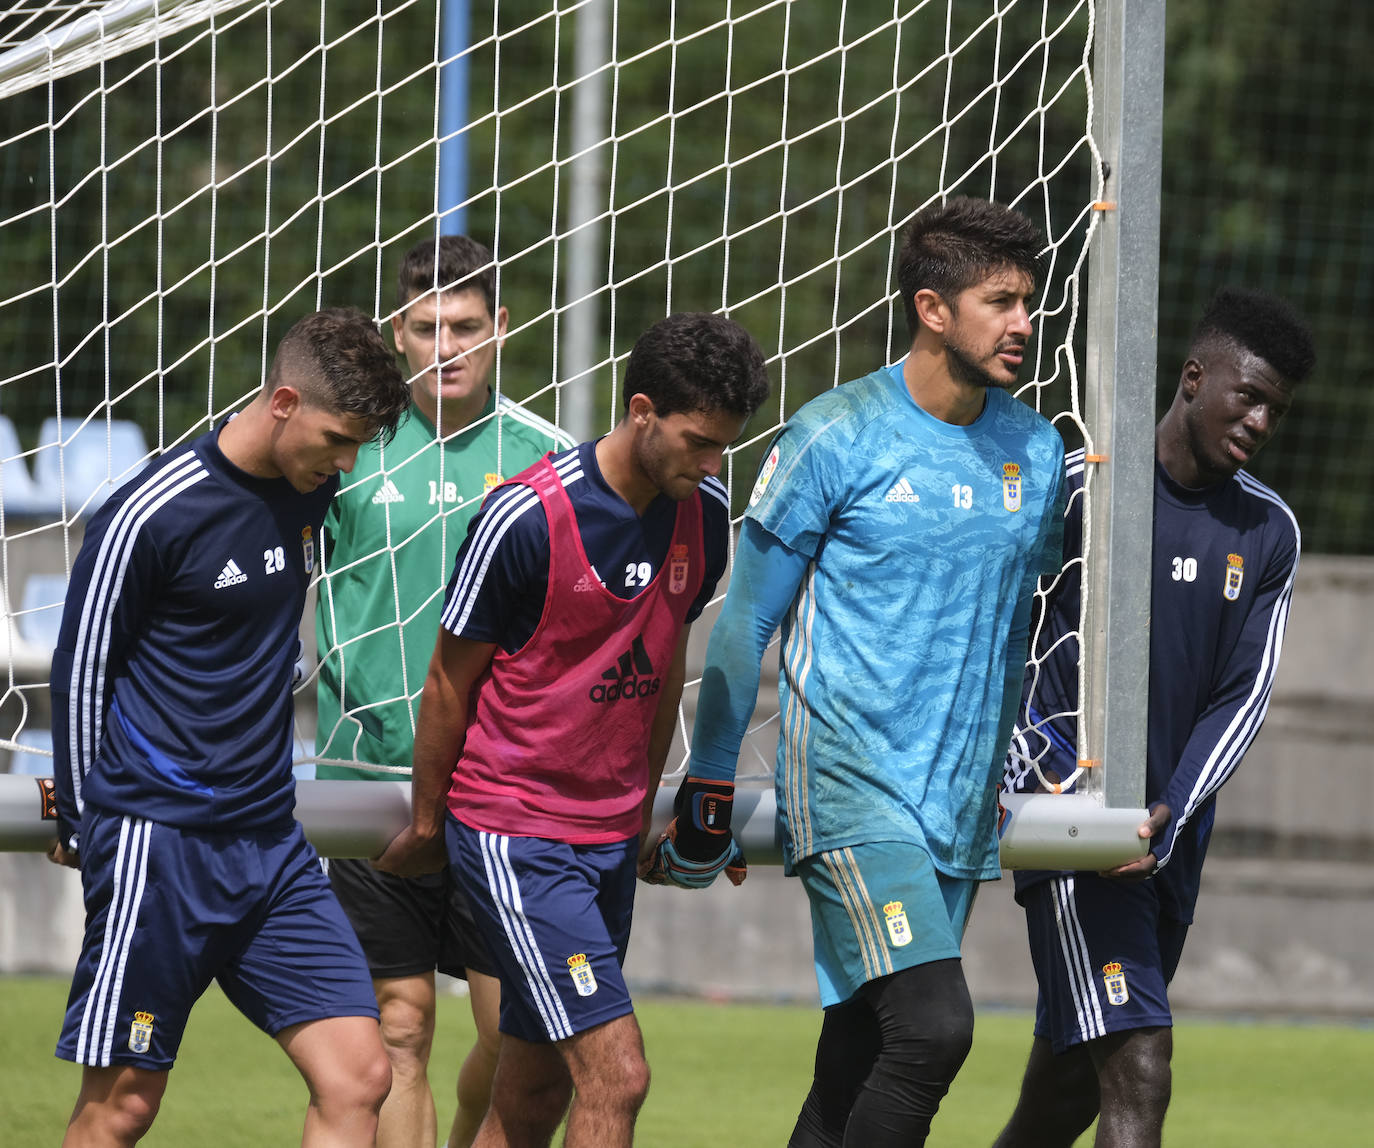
698, 846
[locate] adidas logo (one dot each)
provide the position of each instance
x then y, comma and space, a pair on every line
628, 678
387, 493
902, 492
585, 585
231, 575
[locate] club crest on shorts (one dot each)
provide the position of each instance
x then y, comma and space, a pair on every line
677, 569
308, 549
141, 1032
897, 928
583, 978
1011, 486
770, 464
1115, 981
1235, 575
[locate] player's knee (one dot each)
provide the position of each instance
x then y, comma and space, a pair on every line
408, 1036
131, 1115
934, 1042
1136, 1075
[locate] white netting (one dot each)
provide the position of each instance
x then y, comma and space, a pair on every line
172, 201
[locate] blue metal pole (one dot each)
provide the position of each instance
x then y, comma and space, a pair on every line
454, 30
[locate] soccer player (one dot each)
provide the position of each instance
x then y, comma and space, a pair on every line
390, 538
172, 723
548, 712
1105, 946
895, 532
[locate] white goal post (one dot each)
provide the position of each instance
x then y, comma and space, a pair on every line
182, 179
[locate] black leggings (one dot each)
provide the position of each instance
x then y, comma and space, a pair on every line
885, 1059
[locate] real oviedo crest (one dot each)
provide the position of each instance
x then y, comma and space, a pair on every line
1235, 575
308, 549
1011, 486
898, 929
677, 569
1114, 980
583, 979
141, 1032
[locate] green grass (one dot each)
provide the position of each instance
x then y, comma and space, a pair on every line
725, 1076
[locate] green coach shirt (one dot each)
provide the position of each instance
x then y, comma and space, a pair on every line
389, 543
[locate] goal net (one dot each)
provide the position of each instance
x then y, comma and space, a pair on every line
183, 180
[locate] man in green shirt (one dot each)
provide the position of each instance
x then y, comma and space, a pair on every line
389, 542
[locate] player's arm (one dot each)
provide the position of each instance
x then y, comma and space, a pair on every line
101, 616
698, 844
440, 731
661, 733
1235, 710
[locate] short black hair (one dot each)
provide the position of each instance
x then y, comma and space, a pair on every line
953, 246
1264, 325
339, 361
697, 361
449, 263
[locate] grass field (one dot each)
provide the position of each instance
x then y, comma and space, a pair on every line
725, 1076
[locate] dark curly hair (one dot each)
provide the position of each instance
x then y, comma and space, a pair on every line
339, 361
697, 361
1263, 324
953, 246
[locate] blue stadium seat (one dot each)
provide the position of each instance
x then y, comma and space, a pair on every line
40, 611
33, 764
303, 747
95, 456
20, 493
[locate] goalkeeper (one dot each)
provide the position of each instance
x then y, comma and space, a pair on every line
895, 532
1105, 946
405, 508
549, 708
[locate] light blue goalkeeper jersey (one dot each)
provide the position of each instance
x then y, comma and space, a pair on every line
924, 539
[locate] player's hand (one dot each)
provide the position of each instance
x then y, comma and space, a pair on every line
698, 846
1143, 867
411, 854
61, 856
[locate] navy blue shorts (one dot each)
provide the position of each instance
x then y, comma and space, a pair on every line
169, 910
1103, 955
556, 920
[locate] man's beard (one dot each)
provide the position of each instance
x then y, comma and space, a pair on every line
964, 370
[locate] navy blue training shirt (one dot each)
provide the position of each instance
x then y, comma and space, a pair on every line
171, 681
1224, 560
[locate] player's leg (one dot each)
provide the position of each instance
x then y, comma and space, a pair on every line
556, 920
529, 1096
610, 1081
347, 1073
116, 1106
887, 927
407, 1007
302, 978
397, 921
1102, 965
1058, 1099
845, 1053
462, 953
1134, 1079
478, 1071
925, 1018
